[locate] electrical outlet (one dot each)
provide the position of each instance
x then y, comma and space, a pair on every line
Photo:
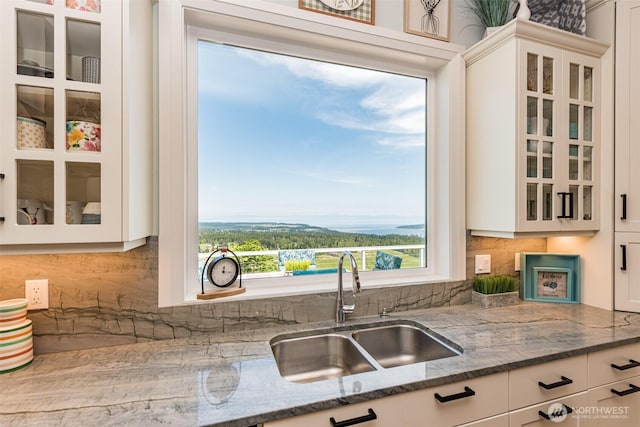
37, 294
517, 261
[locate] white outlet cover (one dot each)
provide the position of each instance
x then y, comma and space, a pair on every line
483, 264
37, 294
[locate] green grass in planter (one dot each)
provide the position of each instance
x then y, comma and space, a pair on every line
494, 284
296, 265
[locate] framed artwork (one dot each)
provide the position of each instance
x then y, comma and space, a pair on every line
550, 277
429, 18
355, 10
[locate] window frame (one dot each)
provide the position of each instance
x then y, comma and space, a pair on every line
286, 30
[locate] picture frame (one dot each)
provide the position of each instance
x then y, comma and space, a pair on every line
428, 18
550, 277
363, 11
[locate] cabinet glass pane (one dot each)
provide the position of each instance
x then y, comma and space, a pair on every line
83, 51
588, 84
573, 162
532, 158
34, 121
547, 117
43, 1
547, 159
34, 192
83, 121
532, 72
587, 122
547, 75
573, 121
573, 190
532, 115
587, 163
574, 81
587, 203
547, 202
34, 44
84, 5
532, 200
83, 193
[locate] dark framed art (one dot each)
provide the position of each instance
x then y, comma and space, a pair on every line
355, 10
550, 277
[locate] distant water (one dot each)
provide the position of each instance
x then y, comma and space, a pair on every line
380, 230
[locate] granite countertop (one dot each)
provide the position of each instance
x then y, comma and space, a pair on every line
232, 380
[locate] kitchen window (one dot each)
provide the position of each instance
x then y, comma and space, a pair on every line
200, 147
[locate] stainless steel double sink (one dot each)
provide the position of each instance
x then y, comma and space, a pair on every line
319, 355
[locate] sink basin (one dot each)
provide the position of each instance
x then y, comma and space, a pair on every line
398, 345
318, 357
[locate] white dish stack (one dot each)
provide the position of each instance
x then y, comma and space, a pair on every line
16, 336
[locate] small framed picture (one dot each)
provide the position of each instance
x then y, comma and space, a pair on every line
356, 10
550, 277
429, 18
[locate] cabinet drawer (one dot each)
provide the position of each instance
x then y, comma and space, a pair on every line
417, 407
497, 421
539, 383
405, 409
490, 398
616, 404
532, 417
600, 369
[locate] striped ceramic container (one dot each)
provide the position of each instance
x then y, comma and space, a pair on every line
16, 346
13, 312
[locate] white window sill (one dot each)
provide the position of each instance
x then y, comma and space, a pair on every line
283, 287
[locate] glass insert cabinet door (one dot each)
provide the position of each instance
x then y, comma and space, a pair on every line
54, 163
560, 146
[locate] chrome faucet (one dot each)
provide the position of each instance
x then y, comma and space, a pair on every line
343, 309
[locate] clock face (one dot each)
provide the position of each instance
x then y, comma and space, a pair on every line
222, 271
343, 5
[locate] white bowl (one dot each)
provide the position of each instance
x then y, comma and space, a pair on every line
19, 360
13, 312
10, 333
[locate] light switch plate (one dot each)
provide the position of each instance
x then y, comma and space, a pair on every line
483, 264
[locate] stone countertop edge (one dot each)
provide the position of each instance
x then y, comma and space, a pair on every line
232, 380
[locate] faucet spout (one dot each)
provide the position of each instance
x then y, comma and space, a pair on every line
343, 309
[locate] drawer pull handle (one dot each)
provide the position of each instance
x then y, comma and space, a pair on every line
564, 381
444, 399
632, 364
353, 421
555, 414
632, 389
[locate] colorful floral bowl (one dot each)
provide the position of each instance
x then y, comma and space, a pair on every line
83, 136
31, 133
13, 312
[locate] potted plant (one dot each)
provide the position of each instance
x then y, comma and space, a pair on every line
297, 265
492, 14
494, 291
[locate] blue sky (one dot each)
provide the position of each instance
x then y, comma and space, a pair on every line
292, 140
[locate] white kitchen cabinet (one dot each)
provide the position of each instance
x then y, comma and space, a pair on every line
614, 393
562, 411
75, 126
455, 403
533, 132
547, 381
627, 125
627, 271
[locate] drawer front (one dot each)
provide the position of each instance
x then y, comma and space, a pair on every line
497, 421
405, 409
555, 410
551, 380
626, 360
418, 408
490, 394
616, 404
